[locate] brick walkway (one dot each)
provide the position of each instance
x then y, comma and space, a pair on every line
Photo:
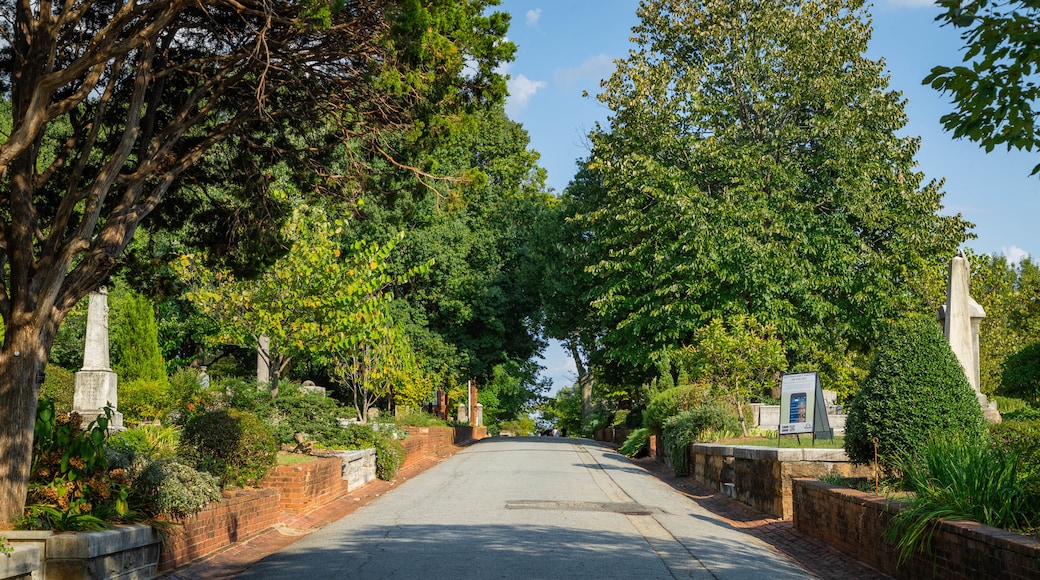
819, 558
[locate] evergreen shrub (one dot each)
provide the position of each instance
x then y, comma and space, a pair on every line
235, 446
169, 488
59, 385
143, 400
709, 422
671, 402
1020, 376
915, 391
311, 414
1021, 438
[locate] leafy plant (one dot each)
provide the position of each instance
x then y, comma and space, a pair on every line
143, 400
151, 441
169, 488
957, 478
1020, 438
59, 385
703, 423
390, 456
916, 389
188, 398
1021, 374
311, 414
671, 402
233, 445
636, 443
70, 485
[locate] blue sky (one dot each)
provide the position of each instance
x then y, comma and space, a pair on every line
566, 47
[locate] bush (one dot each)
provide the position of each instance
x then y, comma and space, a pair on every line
1021, 438
169, 488
637, 443
188, 398
311, 414
233, 445
704, 423
150, 441
143, 400
418, 419
915, 390
1020, 376
59, 385
390, 453
962, 479
671, 402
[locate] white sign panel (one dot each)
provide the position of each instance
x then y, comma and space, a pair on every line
797, 403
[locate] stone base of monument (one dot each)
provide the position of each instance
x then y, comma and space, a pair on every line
95, 390
989, 409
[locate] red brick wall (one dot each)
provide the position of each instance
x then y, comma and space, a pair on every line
430, 442
241, 514
855, 522
305, 486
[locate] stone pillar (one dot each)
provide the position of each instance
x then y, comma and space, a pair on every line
472, 410
961, 318
96, 384
263, 362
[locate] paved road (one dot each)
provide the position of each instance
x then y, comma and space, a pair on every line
530, 508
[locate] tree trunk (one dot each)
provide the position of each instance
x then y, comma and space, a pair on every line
584, 380
22, 360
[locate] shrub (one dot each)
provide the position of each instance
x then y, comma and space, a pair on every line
150, 441
390, 455
418, 419
915, 390
1020, 376
169, 488
59, 385
246, 395
704, 423
636, 444
188, 398
135, 338
671, 402
233, 445
521, 427
1021, 439
142, 400
961, 479
311, 414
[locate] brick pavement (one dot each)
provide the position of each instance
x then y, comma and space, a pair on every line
815, 556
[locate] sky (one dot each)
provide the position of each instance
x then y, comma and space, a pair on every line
566, 47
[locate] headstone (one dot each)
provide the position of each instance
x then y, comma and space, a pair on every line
263, 361
462, 415
479, 416
95, 384
203, 378
961, 318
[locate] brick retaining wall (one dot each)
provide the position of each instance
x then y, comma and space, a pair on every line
854, 522
305, 486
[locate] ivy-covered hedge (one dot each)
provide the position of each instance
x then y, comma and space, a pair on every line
915, 390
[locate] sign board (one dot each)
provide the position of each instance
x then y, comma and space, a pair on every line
802, 409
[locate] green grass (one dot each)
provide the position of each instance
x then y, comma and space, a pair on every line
789, 442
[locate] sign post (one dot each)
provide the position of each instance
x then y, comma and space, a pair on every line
802, 408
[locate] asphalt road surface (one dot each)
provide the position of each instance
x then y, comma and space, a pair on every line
529, 508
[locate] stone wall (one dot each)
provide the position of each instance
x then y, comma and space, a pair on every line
124, 552
21, 564
242, 513
854, 522
761, 476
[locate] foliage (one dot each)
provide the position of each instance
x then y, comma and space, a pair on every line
236, 447
564, 411
1021, 376
1009, 405
636, 444
314, 415
169, 488
67, 351
151, 441
419, 419
519, 427
955, 478
318, 298
743, 173
71, 487
187, 397
143, 400
513, 391
1020, 438
996, 91
702, 423
59, 385
390, 453
135, 338
741, 359
671, 402
916, 390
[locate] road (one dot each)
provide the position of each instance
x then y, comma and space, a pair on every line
530, 508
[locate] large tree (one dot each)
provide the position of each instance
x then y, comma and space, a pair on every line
752, 165
997, 90
112, 102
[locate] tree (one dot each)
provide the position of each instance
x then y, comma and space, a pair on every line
752, 165
113, 102
513, 391
315, 299
996, 93
135, 338
740, 359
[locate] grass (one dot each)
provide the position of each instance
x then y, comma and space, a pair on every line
293, 458
788, 442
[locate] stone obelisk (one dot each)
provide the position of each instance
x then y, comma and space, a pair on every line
95, 382
961, 317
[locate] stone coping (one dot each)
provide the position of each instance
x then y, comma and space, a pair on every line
771, 453
85, 545
23, 561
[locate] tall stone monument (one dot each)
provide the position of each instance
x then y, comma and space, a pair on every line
961, 317
95, 382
